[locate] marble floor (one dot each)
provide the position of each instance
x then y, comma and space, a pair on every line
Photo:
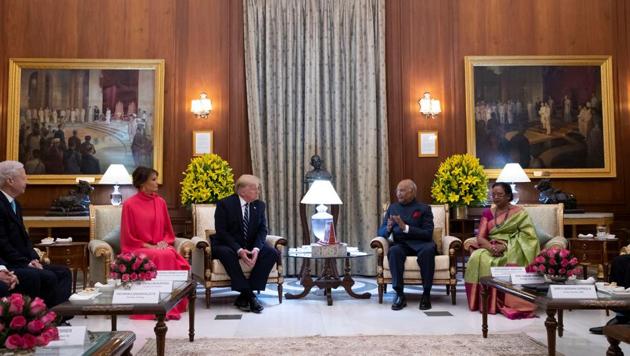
347, 316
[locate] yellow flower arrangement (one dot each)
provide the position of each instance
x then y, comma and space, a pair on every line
207, 179
460, 180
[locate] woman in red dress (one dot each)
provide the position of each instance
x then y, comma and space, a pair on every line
146, 228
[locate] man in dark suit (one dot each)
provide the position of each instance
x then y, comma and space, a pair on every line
18, 281
16, 248
409, 226
241, 231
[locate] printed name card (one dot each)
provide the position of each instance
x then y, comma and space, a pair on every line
172, 275
154, 285
527, 278
504, 273
135, 297
69, 336
572, 291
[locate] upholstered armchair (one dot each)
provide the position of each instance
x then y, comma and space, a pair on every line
549, 222
210, 272
445, 259
104, 242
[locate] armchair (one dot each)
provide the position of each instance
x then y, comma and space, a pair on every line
105, 241
547, 218
210, 272
445, 259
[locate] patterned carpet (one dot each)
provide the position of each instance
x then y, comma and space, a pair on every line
432, 345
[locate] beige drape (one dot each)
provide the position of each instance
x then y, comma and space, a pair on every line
315, 73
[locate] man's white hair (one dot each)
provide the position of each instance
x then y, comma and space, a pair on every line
8, 169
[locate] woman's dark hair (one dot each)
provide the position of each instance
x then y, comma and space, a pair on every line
506, 188
142, 174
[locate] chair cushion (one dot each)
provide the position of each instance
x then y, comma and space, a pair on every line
411, 263
543, 236
437, 238
113, 239
221, 273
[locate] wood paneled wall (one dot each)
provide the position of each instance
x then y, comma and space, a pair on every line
202, 43
200, 40
426, 44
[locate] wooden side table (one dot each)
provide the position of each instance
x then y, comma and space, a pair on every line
70, 254
50, 222
594, 252
593, 219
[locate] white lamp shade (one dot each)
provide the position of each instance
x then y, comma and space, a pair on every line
513, 173
321, 192
116, 174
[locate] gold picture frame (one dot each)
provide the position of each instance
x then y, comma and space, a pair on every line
203, 142
70, 118
427, 143
572, 137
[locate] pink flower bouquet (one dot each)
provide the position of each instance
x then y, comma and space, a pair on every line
26, 323
556, 263
129, 268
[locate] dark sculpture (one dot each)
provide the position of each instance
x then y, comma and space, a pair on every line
317, 173
551, 195
76, 203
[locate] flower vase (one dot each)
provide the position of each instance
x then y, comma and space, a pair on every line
554, 278
460, 212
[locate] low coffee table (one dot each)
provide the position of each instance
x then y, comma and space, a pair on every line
329, 277
102, 305
110, 343
551, 306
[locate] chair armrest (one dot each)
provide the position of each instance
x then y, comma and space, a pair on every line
277, 242
184, 247
100, 248
43, 256
201, 258
469, 243
381, 245
557, 242
625, 250
450, 243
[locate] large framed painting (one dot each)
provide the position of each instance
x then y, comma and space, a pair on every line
71, 118
551, 114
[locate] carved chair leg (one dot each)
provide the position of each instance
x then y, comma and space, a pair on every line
381, 289
448, 291
453, 288
280, 293
208, 298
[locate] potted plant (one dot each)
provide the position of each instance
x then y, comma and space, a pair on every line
207, 179
460, 181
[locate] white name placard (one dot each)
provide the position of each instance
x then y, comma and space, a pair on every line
527, 278
172, 275
572, 291
135, 297
505, 273
69, 336
154, 285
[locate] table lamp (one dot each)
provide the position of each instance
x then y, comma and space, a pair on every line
321, 192
116, 174
512, 173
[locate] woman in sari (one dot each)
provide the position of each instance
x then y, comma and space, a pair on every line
506, 238
146, 229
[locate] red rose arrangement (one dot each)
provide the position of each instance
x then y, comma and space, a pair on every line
128, 268
26, 323
416, 214
555, 262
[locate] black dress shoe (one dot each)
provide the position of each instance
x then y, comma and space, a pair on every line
242, 302
255, 306
425, 302
399, 302
599, 330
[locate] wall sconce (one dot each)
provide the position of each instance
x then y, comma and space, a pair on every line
201, 107
429, 107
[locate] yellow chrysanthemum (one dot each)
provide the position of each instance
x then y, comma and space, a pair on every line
207, 179
460, 180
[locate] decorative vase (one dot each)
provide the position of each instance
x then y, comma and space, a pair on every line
460, 212
554, 278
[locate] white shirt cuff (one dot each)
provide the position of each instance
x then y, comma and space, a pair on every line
3, 268
406, 229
